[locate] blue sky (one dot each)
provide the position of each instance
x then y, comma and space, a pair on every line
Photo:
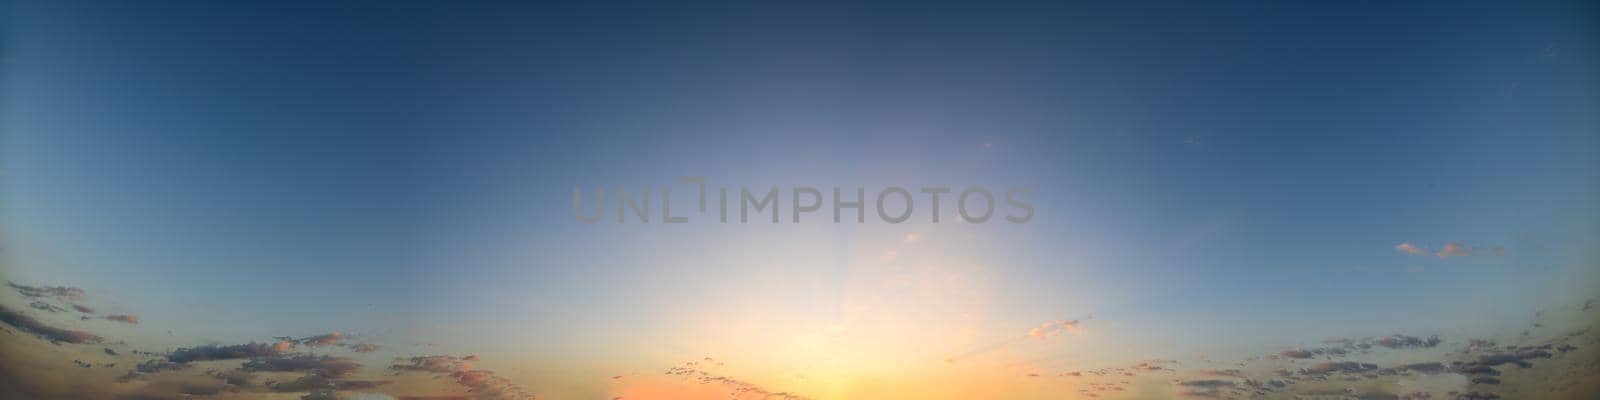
1205, 177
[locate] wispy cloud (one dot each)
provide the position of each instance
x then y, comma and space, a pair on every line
1452, 249
1049, 329
59, 292
434, 364
124, 318
484, 383
1411, 249
329, 339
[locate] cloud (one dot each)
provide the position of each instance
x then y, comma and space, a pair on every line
487, 384
180, 389
53, 334
325, 366
234, 352
1432, 367
1049, 329
1452, 249
435, 364
1455, 249
484, 383
329, 339
739, 389
317, 383
1207, 387
46, 307
187, 373
59, 292
158, 365
124, 318
321, 394
1236, 373
1412, 249
236, 377
368, 396
1339, 367
1297, 353
1403, 341
322, 373
1208, 383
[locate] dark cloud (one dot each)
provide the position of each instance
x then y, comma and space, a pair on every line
124, 318
1522, 357
1339, 367
1207, 387
1425, 367
234, 352
236, 377
321, 394
158, 365
435, 364
53, 334
47, 307
1297, 353
59, 292
1223, 372
1402, 341
83, 308
1208, 383
322, 373
365, 347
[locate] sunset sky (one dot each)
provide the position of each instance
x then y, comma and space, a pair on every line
1211, 183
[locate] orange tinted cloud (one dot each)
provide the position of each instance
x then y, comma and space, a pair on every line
124, 318
1049, 329
53, 334
1411, 249
329, 339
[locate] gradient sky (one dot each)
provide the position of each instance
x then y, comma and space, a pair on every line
1206, 178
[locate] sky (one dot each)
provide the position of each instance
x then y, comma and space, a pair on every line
1209, 181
